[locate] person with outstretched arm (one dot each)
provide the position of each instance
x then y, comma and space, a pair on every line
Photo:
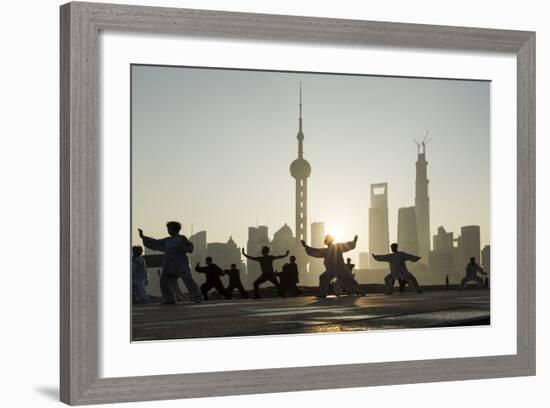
268, 274
398, 268
176, 247
213, 273
335, 265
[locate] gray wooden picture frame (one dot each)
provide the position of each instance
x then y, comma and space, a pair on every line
80, 233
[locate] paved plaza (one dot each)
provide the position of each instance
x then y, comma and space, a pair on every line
308, 314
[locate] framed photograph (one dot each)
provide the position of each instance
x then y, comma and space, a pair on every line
338, 203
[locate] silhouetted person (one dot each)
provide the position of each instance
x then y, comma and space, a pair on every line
338, 287
289, 277
350, 265
333, 260
486, 282
235, 281
213, 273
283, 281
140, 277
268, 274
447, 284
398, 268
402, 284
472, 270
176, 262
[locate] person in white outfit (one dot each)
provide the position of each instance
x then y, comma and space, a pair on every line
335, 265
176, 262
472, 270
398, 268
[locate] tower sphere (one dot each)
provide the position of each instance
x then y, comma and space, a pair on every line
300, 169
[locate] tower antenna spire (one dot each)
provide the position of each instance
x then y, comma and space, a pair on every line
300, 135
300, 105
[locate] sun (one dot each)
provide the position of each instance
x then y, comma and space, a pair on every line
337, 231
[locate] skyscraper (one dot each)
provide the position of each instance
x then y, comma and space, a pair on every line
300, 170
469, 243
364, 260
443, 256
378, 221
486, 258
422, 203
407, 232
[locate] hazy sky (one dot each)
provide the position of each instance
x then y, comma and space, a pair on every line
212, 148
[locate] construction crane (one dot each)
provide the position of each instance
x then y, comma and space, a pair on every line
423, 142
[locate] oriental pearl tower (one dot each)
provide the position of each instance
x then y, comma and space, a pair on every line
300, 170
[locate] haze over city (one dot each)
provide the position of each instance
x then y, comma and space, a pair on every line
212, 148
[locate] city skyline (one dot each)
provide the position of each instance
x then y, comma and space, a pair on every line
340, 181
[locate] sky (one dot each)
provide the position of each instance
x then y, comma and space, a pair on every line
211, 148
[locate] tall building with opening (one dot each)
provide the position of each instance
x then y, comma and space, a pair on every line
422, 203
378, 221
300, 170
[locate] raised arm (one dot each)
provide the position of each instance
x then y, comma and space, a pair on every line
254, 258
348, 246
152, 243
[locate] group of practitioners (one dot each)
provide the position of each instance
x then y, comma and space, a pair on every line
177, 247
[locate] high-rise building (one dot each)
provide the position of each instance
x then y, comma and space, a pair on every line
300, 170
443, 241
443, 256
378, 221
469, 243
364, 260
486, 258
407, 232
422, 202
316, 266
